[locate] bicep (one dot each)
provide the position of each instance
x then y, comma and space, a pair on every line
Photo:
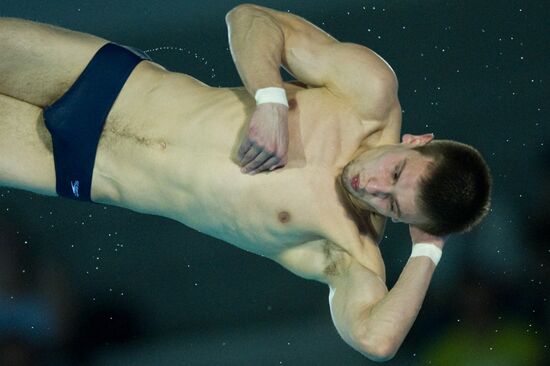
348, 70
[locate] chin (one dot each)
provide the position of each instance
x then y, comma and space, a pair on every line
342, 181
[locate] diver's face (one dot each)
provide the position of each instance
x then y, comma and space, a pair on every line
385, 180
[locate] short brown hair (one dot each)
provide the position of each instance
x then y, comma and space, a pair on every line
455, 194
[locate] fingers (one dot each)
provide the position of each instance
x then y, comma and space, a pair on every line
243, 149
254, 158
263, 161
269, 164
266, 143
250, 153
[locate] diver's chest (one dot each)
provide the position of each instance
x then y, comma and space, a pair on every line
269, 230
291, 208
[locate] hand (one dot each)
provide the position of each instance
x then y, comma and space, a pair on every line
265, 146
419, 236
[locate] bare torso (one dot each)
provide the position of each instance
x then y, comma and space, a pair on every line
171, 150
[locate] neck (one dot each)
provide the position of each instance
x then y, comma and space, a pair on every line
361, 216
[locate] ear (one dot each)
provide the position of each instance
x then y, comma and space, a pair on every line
417, 140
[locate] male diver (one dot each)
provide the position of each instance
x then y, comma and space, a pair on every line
302, 173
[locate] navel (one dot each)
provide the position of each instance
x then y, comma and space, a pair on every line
284, 217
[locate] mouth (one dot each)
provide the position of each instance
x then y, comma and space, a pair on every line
355, 183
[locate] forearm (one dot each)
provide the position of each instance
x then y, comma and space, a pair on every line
256, 42
389, 321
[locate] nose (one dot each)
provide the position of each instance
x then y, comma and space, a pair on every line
375, 188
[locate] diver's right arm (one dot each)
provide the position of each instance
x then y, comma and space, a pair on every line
372, 319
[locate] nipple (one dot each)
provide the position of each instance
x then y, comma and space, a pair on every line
284, 217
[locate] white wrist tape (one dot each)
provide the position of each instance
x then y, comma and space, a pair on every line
271, 95
427, 250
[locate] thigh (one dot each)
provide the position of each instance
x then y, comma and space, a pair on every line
39, 62
26, 157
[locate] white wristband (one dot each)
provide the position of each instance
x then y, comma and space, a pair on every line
427, 250
271, 95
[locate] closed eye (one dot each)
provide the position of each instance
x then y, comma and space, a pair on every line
394, 204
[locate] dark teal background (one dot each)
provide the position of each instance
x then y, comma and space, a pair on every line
476, 72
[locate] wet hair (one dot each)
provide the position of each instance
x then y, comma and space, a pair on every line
455, 193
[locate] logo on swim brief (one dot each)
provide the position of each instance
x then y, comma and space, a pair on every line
74, 187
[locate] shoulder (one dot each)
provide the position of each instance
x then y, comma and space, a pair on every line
364, 79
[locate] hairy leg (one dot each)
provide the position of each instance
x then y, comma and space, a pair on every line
26, 158
39, 62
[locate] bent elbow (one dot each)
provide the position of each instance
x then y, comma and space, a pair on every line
379, 351
382, 356
239, 9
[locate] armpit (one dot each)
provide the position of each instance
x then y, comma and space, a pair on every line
336, 259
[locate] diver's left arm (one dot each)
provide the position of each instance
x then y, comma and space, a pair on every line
262, 40
371, 319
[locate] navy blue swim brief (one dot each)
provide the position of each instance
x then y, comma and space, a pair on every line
76, 120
